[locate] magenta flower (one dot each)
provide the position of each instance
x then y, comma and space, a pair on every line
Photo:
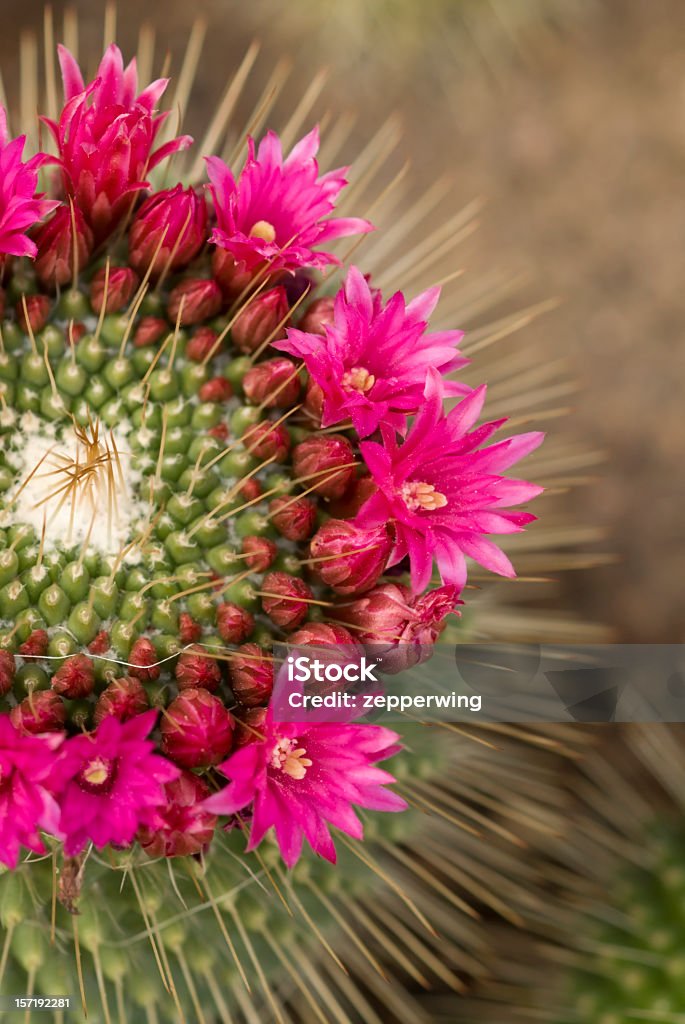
105, 137
26, 802
111, 783
302, 777
443, 492
20, 207
371, 364
277, 210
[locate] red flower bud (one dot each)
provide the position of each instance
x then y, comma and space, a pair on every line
36, 645
265, 441
259, 320
317, 315
250, 490
195, 670
234, 623
183, 828
75, 678
37, 312
189, 631
348, 559
201, 344
252, 675
149, 331
220, 431
261, 553
358, 492
321, 634
284, 605
233, 277
101, 643
294, 518
218, 389
42, 711
120, 288
8, 668
169, 229
75, 333
201, 299
314, 457
313, 401
248, 726
123, 699
272, 384
142, 660
197, 730
55, 242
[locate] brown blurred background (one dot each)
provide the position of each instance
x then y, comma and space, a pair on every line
568, 116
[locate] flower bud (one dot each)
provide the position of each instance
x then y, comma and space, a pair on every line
197, 730
184, 827
273, 383
149, 331
250, 489
358, 492
233, 277
121, 284
42, 711
380, 615
142, 660
248, 727
327, 462
313, 401
200, 298
75, 678
55, 243
197, 671
101, 643
36, 314
321, 634
348, 559
123, 699
252, 675
36, 645
8, 668
284, 604
268, 441
233, 623
259, 320
189, 631
168, 231
294, 518
317, 315
201, 344
218, 389
261, 553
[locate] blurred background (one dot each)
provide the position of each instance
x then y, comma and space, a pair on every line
567, 118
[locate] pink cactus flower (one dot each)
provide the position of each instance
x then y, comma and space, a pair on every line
111, 783
20, 207
303, 777
105, 137
26, 801
277, 210
443, 492
371, 364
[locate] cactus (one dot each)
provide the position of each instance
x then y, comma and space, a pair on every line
184, 483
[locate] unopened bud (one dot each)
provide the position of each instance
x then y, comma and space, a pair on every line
197, 671
168, 231
149, 331
197, 730
36, 313
233, 623
55, 243
252, 675
123, 699
260, 552
317, 315
196, 299
75, 678
326, 462
347, 558
121, 284
267, 440
202, 343
41, 711
286, 599
260, 319
272, 384
294, 518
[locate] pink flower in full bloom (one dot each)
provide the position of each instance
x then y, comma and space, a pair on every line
26, 801
20, 207
302, 777
277, 210
105, 137
111, 783
371, 363
443, 492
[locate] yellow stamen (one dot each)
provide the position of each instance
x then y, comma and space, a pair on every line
418, 495
290, 759
263, 229
358, 379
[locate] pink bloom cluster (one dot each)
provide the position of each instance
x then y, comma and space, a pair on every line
20, 206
